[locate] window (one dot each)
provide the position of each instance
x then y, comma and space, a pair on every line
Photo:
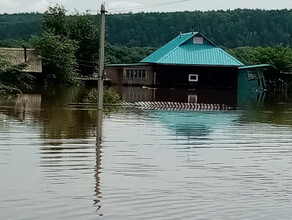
139, 74
252, 75
193, 77
135, 74
132, 74
198, 40
127, 73
144, 75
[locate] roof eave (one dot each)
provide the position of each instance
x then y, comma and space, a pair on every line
254, 66
205, 65
126, 64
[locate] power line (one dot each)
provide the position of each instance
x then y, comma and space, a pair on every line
114, 10
148, 6
85, 61
60, 61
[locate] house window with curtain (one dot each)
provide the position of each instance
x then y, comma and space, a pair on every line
132, 73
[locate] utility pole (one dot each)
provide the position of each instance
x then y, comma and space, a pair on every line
101, 59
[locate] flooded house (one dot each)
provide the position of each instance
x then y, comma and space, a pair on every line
190, 60
18, 56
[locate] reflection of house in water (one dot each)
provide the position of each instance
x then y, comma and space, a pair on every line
227, 97
194, 124
136, 94
230, 98
29, 102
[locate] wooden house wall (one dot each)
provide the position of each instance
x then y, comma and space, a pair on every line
17, 56
118, 77
208, 77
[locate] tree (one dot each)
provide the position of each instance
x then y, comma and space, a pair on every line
122, 54
231, 28
79, 28
14, 43
58, 53
83, 30
279, 58
56, 21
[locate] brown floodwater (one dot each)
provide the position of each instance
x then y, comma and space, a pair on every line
150, 164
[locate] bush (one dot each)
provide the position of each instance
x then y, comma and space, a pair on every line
109, 96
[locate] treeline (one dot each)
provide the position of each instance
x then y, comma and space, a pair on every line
20, 26
231, 28
279, 58
69, 48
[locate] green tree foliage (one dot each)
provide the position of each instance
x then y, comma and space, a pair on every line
231, 28
123, 54
20, 26
79, 28
55, 21
279, 58
109, 96
14, 43
68, 44
83, 30
58, 54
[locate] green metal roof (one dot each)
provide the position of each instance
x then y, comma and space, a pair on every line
126, 65
182, 50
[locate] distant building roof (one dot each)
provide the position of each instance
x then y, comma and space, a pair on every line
192, 49
126, 65
254, 66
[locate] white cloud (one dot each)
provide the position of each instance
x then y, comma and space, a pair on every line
115, 6
39, 6
121, 6
9, 4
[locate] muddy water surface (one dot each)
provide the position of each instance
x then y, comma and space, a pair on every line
151, 164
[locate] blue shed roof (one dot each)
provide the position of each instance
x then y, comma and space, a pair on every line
182, 50
254, 66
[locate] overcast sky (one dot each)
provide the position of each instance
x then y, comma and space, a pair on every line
114, 6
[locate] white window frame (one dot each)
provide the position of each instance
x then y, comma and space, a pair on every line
193, 80
133, 73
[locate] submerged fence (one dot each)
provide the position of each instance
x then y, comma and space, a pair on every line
170, 106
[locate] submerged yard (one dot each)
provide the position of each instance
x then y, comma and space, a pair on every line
151, 164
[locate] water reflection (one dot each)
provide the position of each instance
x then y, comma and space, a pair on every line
194, 125
145, 164
275, 108
206, 96
98, 160
28, 102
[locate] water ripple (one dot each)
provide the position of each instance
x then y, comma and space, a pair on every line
151, 165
